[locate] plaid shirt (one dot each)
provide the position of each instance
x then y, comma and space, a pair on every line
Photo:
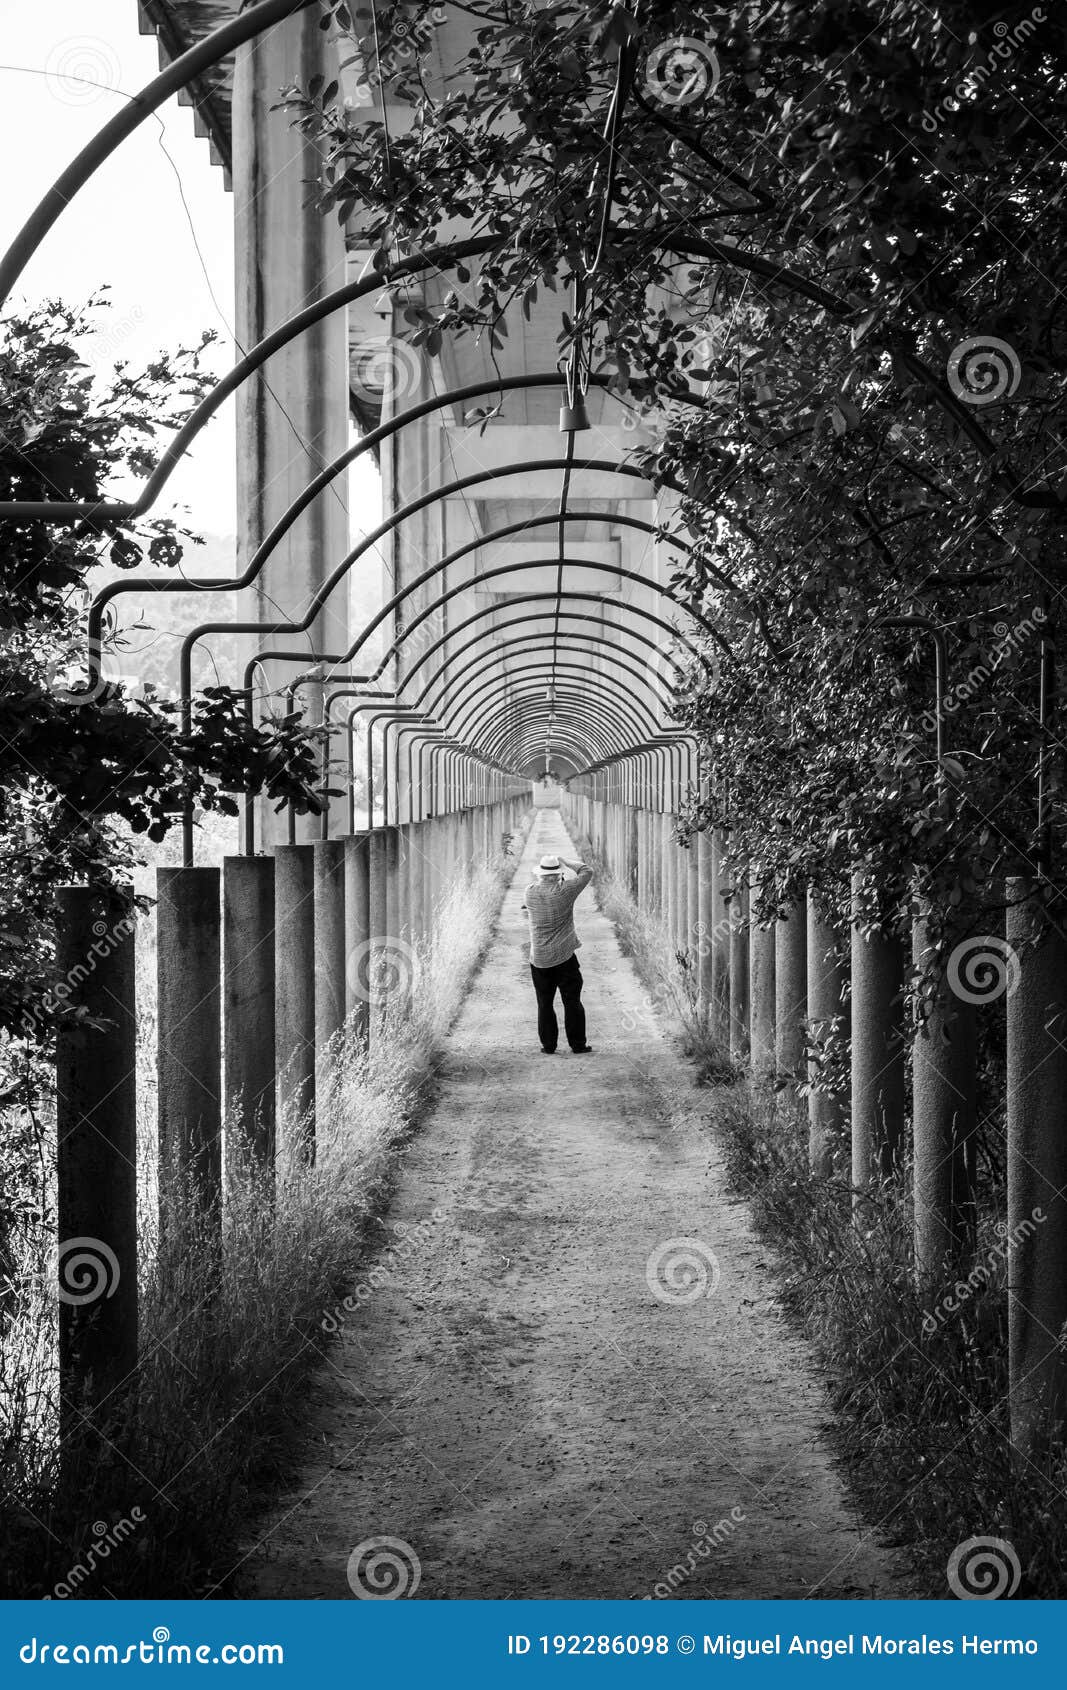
550, 909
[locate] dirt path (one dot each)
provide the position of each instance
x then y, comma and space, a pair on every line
514, 1402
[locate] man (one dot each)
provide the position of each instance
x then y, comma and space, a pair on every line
549, 906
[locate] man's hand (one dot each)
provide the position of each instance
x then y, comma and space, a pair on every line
575, 868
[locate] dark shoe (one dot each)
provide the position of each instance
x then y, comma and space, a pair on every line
583, 1050
546, 1052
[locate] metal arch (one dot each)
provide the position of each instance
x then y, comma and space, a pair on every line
321, 596
521, 700
459, 719
587, 644
530, 616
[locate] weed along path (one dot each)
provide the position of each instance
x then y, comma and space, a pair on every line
564, 1376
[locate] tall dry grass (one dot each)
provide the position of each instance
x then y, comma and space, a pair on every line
225, 1345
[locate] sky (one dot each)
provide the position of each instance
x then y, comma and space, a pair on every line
155, 223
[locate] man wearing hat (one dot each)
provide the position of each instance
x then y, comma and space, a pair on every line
549, 906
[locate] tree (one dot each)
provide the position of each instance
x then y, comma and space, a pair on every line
88, 767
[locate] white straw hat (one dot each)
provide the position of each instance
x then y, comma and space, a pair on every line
549, 865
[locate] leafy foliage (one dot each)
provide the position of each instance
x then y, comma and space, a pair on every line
88, 766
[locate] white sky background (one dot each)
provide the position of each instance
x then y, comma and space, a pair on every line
129, 227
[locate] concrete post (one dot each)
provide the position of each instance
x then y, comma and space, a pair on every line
96, 1162
329, 867
632, 853
739, 1032
877, 1052
720, 944
826, 989
1036, 985
357, 930
761, 1000
790, 992
189, 1052
248, 1004
294, 996
703, 949
944, 1117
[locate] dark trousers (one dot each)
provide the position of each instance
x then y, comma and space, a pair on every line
567, 976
